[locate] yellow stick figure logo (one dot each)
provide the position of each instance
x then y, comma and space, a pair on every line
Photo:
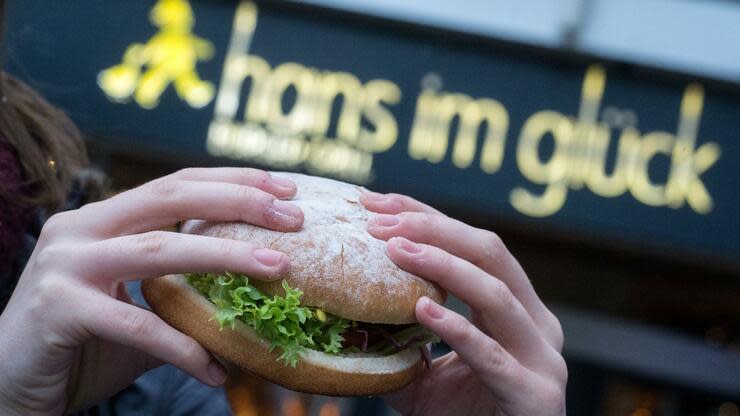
168, 57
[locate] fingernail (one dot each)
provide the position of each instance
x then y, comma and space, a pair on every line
283, 209
385, 220
283, 182
431, 308
374, 196
217, 372
408, 246
269, 258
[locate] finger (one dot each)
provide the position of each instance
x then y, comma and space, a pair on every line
503, 316
276, 185
480, 247
161, 204
493, 364
134, 327
157, 253
394, 203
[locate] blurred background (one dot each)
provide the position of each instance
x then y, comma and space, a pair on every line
598, 138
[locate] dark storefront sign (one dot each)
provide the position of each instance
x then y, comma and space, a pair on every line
595, 148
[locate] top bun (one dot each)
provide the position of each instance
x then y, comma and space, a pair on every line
337, 264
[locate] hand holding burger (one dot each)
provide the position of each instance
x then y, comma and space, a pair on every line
71, 335
506, 360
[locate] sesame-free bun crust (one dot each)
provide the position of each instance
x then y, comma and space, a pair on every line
337, 264
181, 306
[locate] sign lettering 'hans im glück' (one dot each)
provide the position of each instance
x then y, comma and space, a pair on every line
300, 136
604, 149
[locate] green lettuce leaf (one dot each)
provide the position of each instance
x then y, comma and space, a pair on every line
278, 319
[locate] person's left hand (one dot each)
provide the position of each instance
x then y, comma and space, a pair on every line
508, 360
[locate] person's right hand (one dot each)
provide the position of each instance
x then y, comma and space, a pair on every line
506, 359
71, 335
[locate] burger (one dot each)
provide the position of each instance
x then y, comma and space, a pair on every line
340, 322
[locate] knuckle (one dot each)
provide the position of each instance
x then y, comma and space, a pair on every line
552, 398
415, 221
436, 227
191, 350
257, 176
48, 292
443, 261
397, 200
560, 371
493, 247
408, 217
462, 330
90, 208
49, 256
185, 173
495, 357
555, 331
166, 188
260, 202
227, 248
424, 221
139, 325
243, 192
151, 243
50, 287
55, 224
503, 298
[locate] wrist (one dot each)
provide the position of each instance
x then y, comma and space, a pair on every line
8, 405
12, 405
15, 398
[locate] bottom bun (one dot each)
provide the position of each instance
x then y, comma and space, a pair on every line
183, 307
